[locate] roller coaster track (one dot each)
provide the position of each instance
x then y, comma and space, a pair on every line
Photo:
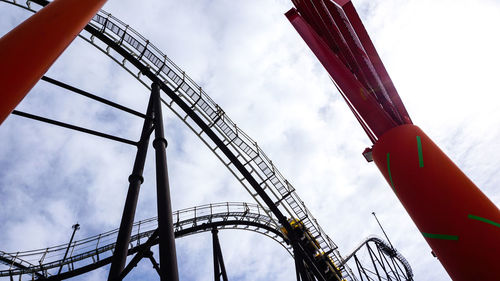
237, 151
389, 261
96, 251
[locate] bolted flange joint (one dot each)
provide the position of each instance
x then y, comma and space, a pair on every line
135, 177
159, 141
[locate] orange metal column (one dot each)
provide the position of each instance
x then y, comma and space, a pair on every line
27, 51
459, 222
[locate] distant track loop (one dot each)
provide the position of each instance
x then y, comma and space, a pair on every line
387, 250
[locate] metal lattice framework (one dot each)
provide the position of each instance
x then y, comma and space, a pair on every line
237, 151
386, 262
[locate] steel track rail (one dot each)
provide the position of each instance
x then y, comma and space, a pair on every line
238, 152
15, 262
386, 250
95, 251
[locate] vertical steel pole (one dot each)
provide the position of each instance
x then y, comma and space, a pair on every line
297, 268
373, 213
299, 264
168, 257
51, 30
218, 258
75, 228
135, 180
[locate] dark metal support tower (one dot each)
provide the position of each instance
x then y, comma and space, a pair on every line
168, 257
219, 267
135, 180
300, 268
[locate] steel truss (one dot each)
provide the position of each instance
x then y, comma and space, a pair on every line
238, 152
386, 262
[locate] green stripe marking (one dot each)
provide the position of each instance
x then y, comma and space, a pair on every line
440, 236
483, 220
420, 155
389, 170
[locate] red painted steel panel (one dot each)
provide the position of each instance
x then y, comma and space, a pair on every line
459, 222
367, 43
363, 102
341, 2
331, 20
366, 71
27, 51
344, 49
331, 35
316, 14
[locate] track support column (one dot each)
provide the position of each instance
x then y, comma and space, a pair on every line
458, 221
135, 181
50, 31
168, 257
219, 267
300, 269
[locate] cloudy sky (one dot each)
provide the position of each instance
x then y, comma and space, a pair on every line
442, 56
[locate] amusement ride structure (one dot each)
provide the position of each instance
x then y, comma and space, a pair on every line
424, 179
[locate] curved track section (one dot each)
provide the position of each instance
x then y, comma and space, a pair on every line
96, 251
386, 262
238, 152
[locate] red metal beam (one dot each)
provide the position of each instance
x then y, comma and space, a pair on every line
368, 46
27, 51
367, 71
319, 19
363, 102
338, 24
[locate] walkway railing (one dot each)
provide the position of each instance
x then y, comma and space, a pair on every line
46, 262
